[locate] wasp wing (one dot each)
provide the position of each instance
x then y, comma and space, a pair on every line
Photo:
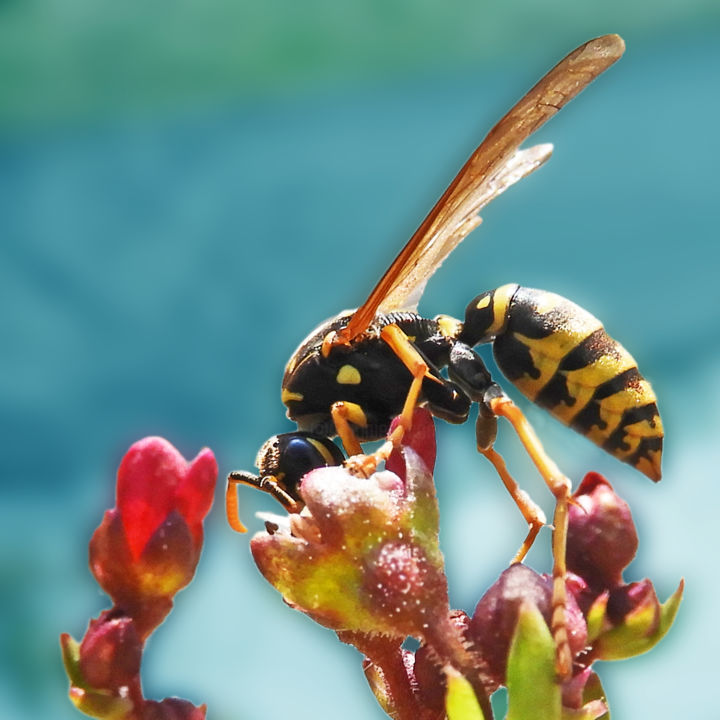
495, 165
456, 226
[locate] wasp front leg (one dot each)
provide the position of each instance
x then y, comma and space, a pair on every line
342, 412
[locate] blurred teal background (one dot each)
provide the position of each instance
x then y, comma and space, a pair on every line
187, 189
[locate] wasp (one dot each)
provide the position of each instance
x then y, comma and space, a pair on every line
359, 370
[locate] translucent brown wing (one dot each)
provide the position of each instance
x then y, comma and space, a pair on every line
494, 166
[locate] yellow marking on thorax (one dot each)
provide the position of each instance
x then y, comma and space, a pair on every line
448, 326
348, 375
501, 298
289, 396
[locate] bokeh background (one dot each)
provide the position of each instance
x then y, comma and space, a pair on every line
186, 189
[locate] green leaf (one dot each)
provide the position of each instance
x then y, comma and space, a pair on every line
71, 659
596, 615
101, 705
460, 700
640, 632
533, 692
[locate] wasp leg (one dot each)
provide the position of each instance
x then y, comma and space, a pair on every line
560, 486
533, 514
408, 354
343, 413
468, 370
267, 483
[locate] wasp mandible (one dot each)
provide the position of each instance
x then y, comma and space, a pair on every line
361, 369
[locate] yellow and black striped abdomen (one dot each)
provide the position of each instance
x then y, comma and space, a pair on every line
560, 357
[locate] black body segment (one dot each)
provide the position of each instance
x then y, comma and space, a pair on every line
561, 358
369, 376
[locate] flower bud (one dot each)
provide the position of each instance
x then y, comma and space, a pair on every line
147, 548
364, 555
172, 709
493, 623
110, 653
602, 539
635, 621
153, 480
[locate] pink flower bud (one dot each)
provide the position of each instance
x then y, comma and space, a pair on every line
601, 534
153, 480
147, 548
172, 709
110, 653
364, 555
496, 615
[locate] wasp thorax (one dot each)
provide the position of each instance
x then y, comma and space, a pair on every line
487, 315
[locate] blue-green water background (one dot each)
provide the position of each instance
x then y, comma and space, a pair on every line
186, 191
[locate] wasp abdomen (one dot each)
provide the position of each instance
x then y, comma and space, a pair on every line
561, 358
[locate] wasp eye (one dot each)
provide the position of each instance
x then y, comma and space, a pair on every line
301, 455
298, 453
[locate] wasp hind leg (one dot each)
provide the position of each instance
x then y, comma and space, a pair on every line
468, 369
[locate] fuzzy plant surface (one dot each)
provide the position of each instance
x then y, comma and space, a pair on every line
363, 559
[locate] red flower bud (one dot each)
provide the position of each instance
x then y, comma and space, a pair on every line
154, 479
496, 615
110, 653
147, 548
172, 709
364, 555
601, 535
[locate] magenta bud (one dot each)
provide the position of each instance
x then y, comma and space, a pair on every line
632, 598
172, 709
110, 653
601, 534
493, 624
